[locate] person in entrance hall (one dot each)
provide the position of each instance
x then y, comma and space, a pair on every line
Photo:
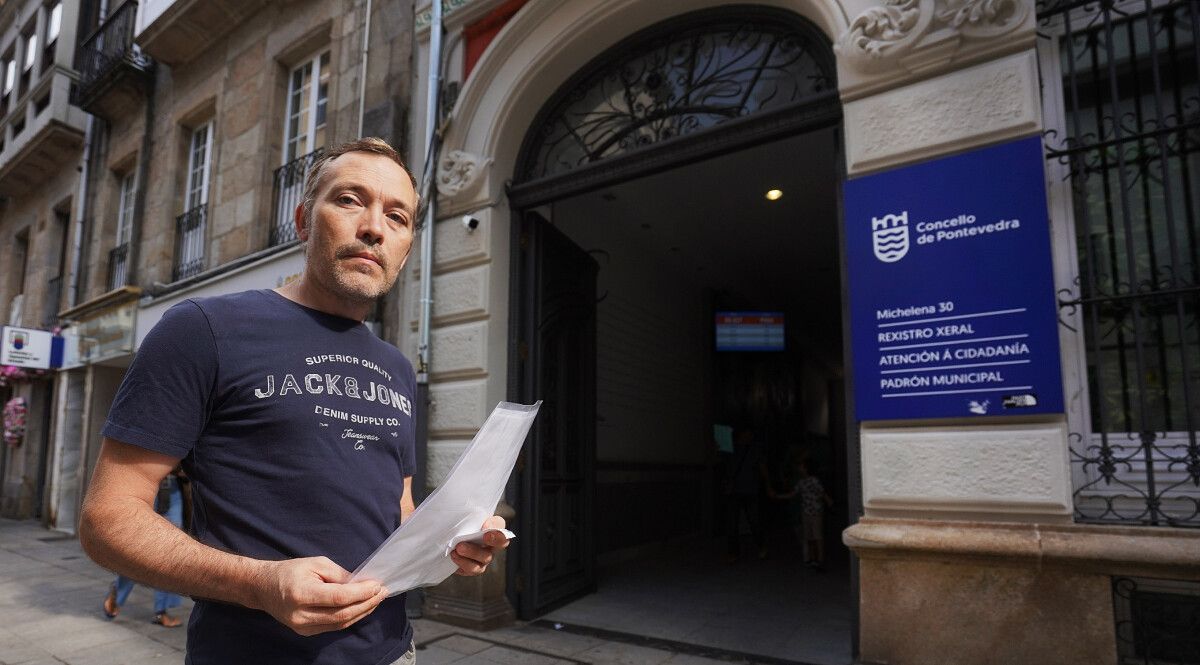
295, 424
811, 531
747, 473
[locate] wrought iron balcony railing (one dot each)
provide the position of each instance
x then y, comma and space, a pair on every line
288, 193
190, 232
108, 48
53, 299
118, 266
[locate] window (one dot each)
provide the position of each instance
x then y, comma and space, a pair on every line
1123, 151
125, 207
689, 74
8, 73
20, 265
118, 263
29, 53
54, 23
303, 138
191, 225
53, 27
304, 127
53, 299
198, 167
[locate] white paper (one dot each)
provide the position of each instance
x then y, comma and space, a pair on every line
418, 553
477, 537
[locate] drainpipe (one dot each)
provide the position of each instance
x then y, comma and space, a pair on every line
432, 119
81, 207
362, 79
429, 194
416, 600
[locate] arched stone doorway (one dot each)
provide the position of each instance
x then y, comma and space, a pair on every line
731, 96
544, 47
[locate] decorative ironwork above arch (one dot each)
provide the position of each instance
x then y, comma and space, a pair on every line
681, 76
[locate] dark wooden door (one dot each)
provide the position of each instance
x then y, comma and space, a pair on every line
556, 361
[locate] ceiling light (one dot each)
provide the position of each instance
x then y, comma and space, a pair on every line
774, 194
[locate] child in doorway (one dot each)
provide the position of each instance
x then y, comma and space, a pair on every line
811, 531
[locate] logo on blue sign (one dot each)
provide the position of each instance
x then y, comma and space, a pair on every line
890, 237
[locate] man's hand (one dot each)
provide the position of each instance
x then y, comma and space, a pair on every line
313, 595
121, 532
473, 559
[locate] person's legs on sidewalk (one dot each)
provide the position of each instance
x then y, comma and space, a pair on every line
118, 593
164, 600
123, 586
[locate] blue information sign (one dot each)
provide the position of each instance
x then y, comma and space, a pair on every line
952, 308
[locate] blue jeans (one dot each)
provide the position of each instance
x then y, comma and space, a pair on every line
163, 600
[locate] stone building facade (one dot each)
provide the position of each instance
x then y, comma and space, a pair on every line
41, 140
204, 118
976, 541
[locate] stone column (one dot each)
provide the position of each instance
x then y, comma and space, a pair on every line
468, 353
922, 79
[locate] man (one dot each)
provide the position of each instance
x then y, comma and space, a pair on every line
295, 425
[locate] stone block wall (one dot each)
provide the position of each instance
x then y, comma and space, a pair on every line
33, 214
239, 83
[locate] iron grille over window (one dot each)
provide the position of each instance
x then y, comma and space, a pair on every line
189, 242
1130, 141
118, 266
700, 71
52, 301
288, 193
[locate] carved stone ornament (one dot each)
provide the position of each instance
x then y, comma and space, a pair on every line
459, 171
917, 35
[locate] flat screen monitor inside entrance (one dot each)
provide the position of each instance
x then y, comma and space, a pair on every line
750, 331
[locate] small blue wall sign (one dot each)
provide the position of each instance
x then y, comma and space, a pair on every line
952, 308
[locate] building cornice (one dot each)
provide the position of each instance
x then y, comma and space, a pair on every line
101, 304
1169, 553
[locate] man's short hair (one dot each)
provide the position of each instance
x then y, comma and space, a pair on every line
371, 144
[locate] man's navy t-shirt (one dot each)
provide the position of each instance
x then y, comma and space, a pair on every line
296, 428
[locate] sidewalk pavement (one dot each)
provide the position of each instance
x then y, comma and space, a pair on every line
50, 614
